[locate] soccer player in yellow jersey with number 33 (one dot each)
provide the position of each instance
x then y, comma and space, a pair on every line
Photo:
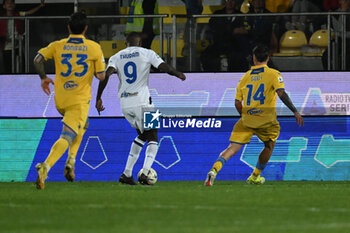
77, 59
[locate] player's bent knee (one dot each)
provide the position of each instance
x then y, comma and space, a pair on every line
269, 145
234, 147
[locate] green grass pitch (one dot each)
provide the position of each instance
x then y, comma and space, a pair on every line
175, 207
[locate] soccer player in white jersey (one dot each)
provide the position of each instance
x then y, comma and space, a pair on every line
133, 66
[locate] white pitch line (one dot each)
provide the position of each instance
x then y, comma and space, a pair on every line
47, 103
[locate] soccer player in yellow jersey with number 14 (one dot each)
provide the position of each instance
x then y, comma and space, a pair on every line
257, 89
77, 59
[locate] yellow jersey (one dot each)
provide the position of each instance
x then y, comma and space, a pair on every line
257, 89
77, 59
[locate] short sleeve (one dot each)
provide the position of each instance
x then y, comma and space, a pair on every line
22, 13
48, 51
278, 82
239, 94
112, 62
100, 62
155, 59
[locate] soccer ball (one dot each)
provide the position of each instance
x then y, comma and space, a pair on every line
152, 175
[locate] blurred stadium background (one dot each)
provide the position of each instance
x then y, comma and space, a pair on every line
319, 151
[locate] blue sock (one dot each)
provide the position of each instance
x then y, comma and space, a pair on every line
260, 166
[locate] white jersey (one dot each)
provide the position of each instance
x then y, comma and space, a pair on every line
133, 65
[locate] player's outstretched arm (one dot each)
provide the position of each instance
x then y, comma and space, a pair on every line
103, 83
288, 102
40, 69
172, 71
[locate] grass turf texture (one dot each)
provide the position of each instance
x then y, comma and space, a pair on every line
175, 207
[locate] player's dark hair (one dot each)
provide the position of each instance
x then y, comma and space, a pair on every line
77, 22
261, 52
133, 38
3, 2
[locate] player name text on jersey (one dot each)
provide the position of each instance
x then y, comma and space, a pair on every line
82, 48
129, 55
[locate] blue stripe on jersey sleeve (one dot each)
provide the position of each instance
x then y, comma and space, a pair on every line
41, 55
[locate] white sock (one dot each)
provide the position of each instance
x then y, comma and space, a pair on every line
70, 159
151, 153
135, 150
47, 167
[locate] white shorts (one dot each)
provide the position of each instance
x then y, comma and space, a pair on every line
135, 115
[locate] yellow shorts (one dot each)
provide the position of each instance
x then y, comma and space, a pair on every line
242, 134
75, 117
